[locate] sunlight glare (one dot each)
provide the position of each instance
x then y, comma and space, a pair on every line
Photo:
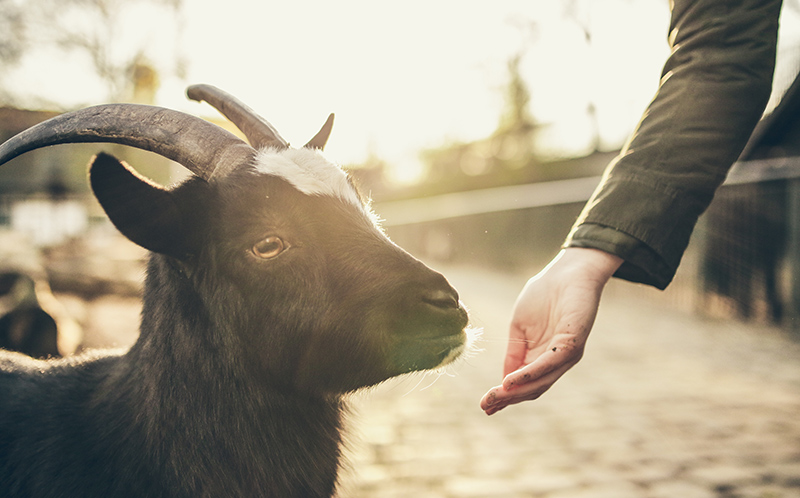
400, 77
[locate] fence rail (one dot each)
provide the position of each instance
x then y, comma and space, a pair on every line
553, 193
491, 200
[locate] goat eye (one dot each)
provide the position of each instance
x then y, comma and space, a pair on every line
269, 247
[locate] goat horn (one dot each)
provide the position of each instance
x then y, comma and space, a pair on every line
259, 132
201, 147
321, 138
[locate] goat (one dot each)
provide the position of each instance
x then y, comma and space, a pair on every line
32, 320
270, 293
24, 325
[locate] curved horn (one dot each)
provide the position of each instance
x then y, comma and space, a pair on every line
257, 129
198, 145
321, 138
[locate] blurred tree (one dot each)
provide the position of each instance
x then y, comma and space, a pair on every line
114, 41
513, 141
12, 39
104, 31
120, 69
515, 117
505, 157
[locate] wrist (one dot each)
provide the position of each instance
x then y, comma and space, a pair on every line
593, 263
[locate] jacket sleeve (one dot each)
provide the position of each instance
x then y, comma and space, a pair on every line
712, 92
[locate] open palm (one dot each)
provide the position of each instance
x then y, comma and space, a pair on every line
550, 324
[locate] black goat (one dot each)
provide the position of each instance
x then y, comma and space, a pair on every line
270, 293
24, 325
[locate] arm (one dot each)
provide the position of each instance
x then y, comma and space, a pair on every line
713, 90
637, 224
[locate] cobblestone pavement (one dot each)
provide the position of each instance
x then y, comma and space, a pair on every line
663, 405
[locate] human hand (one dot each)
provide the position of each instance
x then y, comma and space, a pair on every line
550, 323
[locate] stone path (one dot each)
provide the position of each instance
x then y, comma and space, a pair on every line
663, 405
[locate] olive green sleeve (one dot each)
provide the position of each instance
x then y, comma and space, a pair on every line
712, 93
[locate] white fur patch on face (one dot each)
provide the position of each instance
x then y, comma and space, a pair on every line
309, 172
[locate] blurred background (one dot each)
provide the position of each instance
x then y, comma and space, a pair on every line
478, 129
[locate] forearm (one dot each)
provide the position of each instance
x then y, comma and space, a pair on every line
713, 91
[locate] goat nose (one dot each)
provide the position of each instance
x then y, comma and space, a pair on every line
442, 298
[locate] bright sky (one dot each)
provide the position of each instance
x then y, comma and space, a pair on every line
400, 76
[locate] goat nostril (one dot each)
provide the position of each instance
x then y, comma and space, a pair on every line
445, 299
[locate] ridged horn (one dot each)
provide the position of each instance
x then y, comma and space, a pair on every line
201, 147
259, 132
321, 138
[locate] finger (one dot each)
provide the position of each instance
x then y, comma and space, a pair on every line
498, 397
494, 409
496, 405
553, 359
494, 400
490, 398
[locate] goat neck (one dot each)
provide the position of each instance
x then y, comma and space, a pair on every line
202, 394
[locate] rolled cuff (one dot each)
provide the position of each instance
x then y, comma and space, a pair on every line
641, 264
627, 218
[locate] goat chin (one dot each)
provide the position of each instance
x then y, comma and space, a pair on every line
467, 349
270, 293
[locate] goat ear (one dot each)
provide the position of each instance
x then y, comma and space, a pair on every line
144, 212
